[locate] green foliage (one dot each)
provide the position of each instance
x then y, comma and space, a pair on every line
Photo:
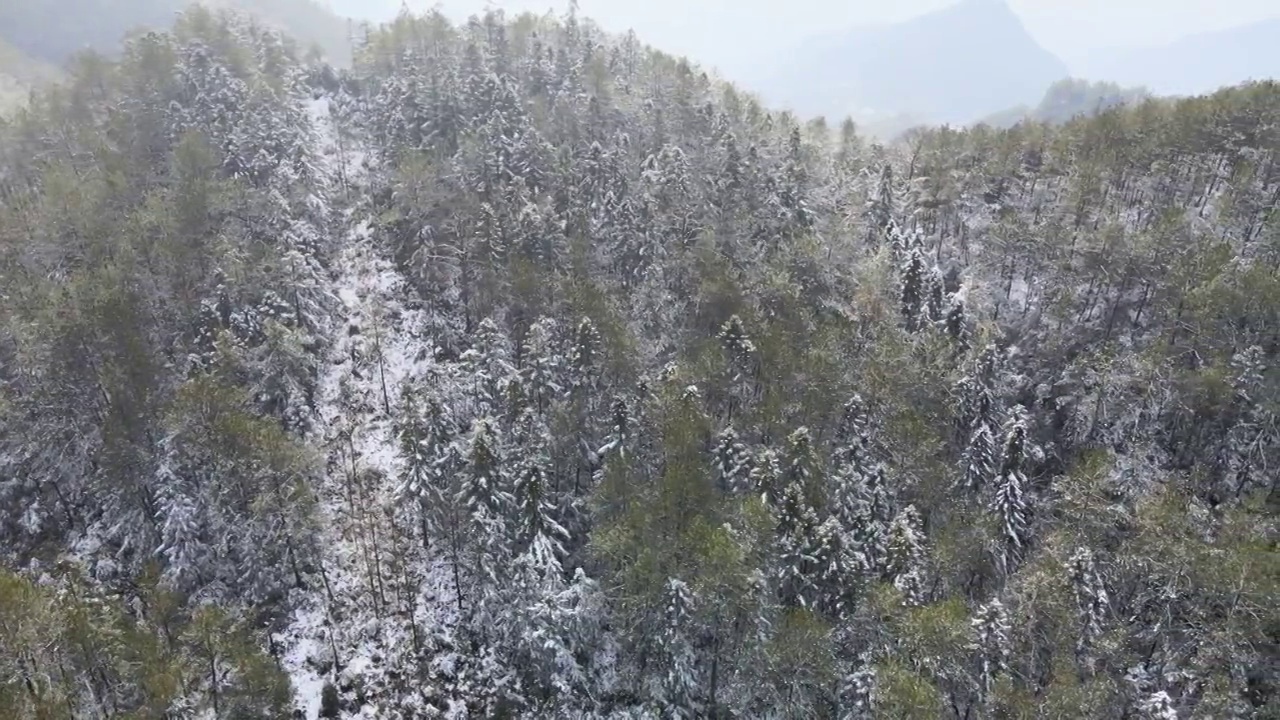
180, 307
70, 646
802, 670
902, 693
1067, 697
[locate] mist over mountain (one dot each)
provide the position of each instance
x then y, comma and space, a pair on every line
1069, 99
955, 65
371, 10
1196, 64
53, 30
19, 73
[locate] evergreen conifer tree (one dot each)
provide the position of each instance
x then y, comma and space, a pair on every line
1092, 603
956, 324
915, 289
1010, 503
732, 462
991, 641
679, 682
906, 556
881, 209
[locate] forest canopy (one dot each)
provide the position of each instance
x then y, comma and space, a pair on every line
523, 370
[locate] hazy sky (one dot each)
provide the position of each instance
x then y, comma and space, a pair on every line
729, 33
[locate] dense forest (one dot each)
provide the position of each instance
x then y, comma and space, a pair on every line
523, 371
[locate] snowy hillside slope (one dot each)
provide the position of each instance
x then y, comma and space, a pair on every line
523, 371
346, 629
384, 621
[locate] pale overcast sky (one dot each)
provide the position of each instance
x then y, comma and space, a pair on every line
731, 34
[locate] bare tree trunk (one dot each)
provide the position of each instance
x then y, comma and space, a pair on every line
213, 679
1142, 305
715, 669
456, 560
382, 366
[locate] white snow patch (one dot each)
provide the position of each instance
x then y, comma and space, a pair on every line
376, 349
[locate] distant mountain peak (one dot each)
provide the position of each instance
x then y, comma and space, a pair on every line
1195, 64
954, 65
977, 15
984, 5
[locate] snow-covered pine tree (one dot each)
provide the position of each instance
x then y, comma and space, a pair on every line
796, 217
1157, 706
183, 547
668, 196
730, 180
538, 537
849, 510
799, 516
766, 476
991, 642
881, 209
1092, 603
802, 468
516, 401
741, 363
542, 368
1009, 503
1253, 439
956, 324
836, 569
425, 436
554, 630
732, 462
857, 494
211, 100
905, 563
858, 691
976, 418
797, 547
483, 491
679, 684
871, 516
979, 460
902, 242
914, 279
584, 358
935, 301
398, 107
494, 237
281, 370
621, 427
489, 364
737, 346
852, 432
442, 120
483, 495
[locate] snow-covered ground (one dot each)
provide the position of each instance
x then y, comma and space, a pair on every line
375, 351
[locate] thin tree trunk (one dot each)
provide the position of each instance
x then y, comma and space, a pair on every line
715, 668
456, 560
213, 680
382, 367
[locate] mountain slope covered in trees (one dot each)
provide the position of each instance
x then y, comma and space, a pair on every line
523, 371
